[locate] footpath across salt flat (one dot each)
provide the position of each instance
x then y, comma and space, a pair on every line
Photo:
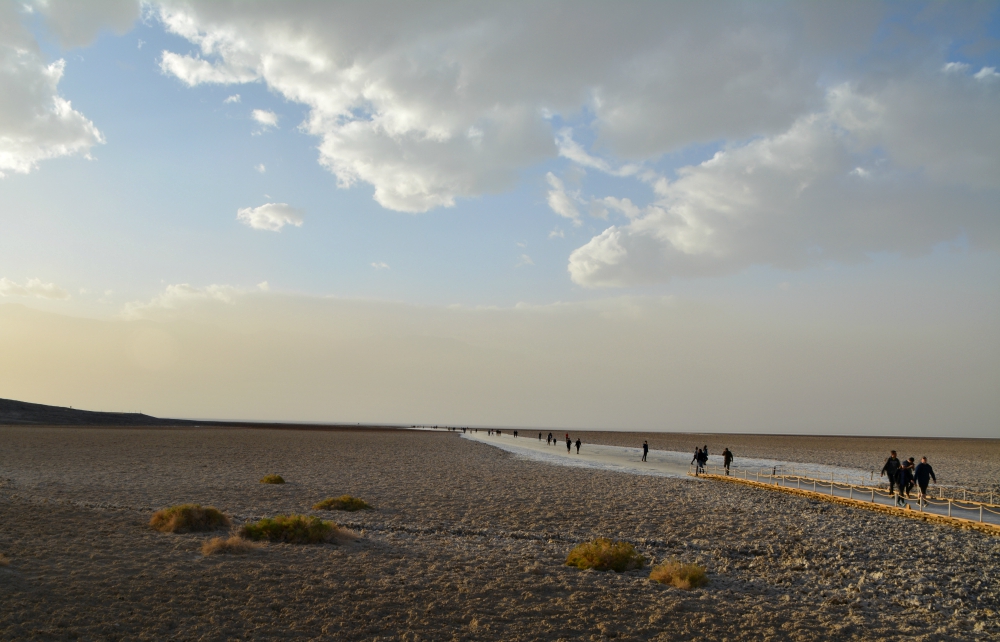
629, 460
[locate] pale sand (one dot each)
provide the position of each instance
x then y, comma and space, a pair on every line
468, 542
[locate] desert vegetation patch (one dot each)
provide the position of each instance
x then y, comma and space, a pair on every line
602, 554
232, 545
272, 479
344, 502
4, 560
293, 529
683, 576
186, 518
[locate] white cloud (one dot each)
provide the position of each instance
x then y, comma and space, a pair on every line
523, 260
235, 98
263, 286
77, 24
33, 288
557, 234
783, 200
987, 74
261, 168
182, 295
955, 68
36, 123
265, 117
380, 265
560, 201
270, 216
437, 103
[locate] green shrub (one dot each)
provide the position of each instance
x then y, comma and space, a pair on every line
344, 502
187, 518
294, 529
602, 554
272, 479
683, 576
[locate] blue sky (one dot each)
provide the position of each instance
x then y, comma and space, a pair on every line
800, 163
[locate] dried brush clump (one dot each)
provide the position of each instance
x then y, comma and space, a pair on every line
344, 502
187, 518
602, 555
272, 479
232, 545
4, 560
293, 529
683, 576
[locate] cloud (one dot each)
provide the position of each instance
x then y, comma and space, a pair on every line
183, 295
36, 123
928, 174
235, 98
560, 201
380, 265
557, 234
77, 24
270, 216
33, 288
435, 103
265, 117
523, 260
261, 168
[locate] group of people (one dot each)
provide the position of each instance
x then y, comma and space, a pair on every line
552, 440
701, 458
904, 475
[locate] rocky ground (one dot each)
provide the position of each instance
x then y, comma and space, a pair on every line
467, 542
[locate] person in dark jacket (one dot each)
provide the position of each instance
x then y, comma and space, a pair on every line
891, 469
904, 481
578, 444
703, 458
924, 474
645, 449
727, 458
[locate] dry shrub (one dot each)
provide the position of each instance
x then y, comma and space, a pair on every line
187, 518
272, 479
602, 554
233, 545
344, 502
4, 560
294, 529
683, 576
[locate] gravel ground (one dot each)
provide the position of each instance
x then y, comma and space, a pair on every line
467, 542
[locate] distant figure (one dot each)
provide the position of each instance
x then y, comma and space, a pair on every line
890, 469
569, 444
578, 443
703, 459
552, 438
924, 474
499, 433
645, 449
727, 458
539, 436
515, 434
697, 455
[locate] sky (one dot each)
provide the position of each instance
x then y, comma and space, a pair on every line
721, 217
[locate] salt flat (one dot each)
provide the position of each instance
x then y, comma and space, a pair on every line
467, 542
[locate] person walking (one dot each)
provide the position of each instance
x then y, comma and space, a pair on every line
697, 455
645, 449
890, 470
578, 444
569, 444
924, 474
904, 480
703, 459
539, 436
727, 458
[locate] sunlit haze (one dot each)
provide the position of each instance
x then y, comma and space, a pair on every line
680, 216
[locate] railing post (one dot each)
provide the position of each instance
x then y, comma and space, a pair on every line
949, 508
965, 495
850, 492
980, 512
873, 495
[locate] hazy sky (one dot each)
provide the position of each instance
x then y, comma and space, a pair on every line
659, 215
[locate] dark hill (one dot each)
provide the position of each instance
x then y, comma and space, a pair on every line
20, 412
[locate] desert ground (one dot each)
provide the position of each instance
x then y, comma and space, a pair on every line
467, 542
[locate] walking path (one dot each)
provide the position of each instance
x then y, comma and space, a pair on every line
629, 460
845, 485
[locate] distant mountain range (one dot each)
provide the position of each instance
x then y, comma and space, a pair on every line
21, 412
